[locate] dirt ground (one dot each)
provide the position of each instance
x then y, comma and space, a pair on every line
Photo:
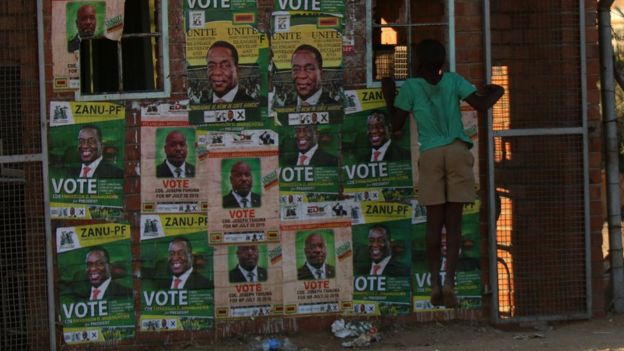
599, 334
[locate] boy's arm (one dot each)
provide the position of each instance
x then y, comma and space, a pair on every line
397, 116
481, 100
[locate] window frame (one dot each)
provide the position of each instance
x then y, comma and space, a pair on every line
163, 67
450, 24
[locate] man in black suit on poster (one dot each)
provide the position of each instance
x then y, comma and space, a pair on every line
222, 69
309, 151
315, 267
382, 146
184, 275
86, 22
98, 271
307, 75
90, 154
380, 253
247, 269
175, 165
241, 181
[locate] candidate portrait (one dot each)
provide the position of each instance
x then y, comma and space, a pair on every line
90, 154
308, 150
315, 251
380, 145
307, 75
247, 268
241, 184
85, 25
381, 260
182, 272
175, 164
98, 275
223, 74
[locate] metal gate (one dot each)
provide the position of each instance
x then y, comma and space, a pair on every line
538, 188
24, 317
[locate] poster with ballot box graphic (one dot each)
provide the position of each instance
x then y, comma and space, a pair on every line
248, 278
177, 279
377, 162
169, 162
239, 169
227, 59
86, 160
382, 259
317, 267
95, 283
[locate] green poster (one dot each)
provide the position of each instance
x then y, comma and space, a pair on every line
177, 283
311, 6
95, 283
86, 160
227, 60
468, 275
381, 267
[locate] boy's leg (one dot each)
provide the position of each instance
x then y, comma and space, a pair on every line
435, 222
452, 223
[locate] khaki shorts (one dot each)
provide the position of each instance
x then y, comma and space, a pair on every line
445, 175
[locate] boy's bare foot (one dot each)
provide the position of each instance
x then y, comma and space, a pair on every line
450, 300
436, 296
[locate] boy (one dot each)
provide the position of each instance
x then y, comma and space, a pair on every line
446, 181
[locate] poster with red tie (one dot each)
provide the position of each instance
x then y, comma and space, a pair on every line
169, 181
248, 279
86, 160
177, 283
239, 171
317, 267
381, 265
95, 283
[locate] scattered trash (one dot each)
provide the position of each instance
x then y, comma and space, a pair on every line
364, 332
521, 337
271, 344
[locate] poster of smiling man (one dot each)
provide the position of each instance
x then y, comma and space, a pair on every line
86, 162
227, 59
95, 283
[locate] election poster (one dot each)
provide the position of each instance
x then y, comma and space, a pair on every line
177, 279
285, 7
468, 286
317, 267
86, 160
227, 60
95, 283
382, 262
308, 75
248, 280
239, 170
169, 180
377, 162
74, 23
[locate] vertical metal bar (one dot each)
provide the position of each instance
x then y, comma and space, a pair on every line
450, 5
120, 66
369, 39
492, 252
583, 73
44, 172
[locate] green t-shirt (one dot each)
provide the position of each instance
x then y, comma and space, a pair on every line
436, 108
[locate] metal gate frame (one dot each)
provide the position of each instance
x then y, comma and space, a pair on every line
491, 135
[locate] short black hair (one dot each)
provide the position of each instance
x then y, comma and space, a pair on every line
98, 131
100, 249
431, 53
312, 49
225, 45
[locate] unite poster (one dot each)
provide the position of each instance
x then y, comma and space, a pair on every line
95, 283
177, 283
86, 164
227, 59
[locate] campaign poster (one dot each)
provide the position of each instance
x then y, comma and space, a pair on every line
309, 170
377, 162
95, 283
382, 265
308, 76
317, 267
86, 160
177, 282
468, 286
248, 280
73, 22
227, 60
169, 176
310, 6
240, 173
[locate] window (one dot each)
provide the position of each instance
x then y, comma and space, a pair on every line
396, 26
135, 67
